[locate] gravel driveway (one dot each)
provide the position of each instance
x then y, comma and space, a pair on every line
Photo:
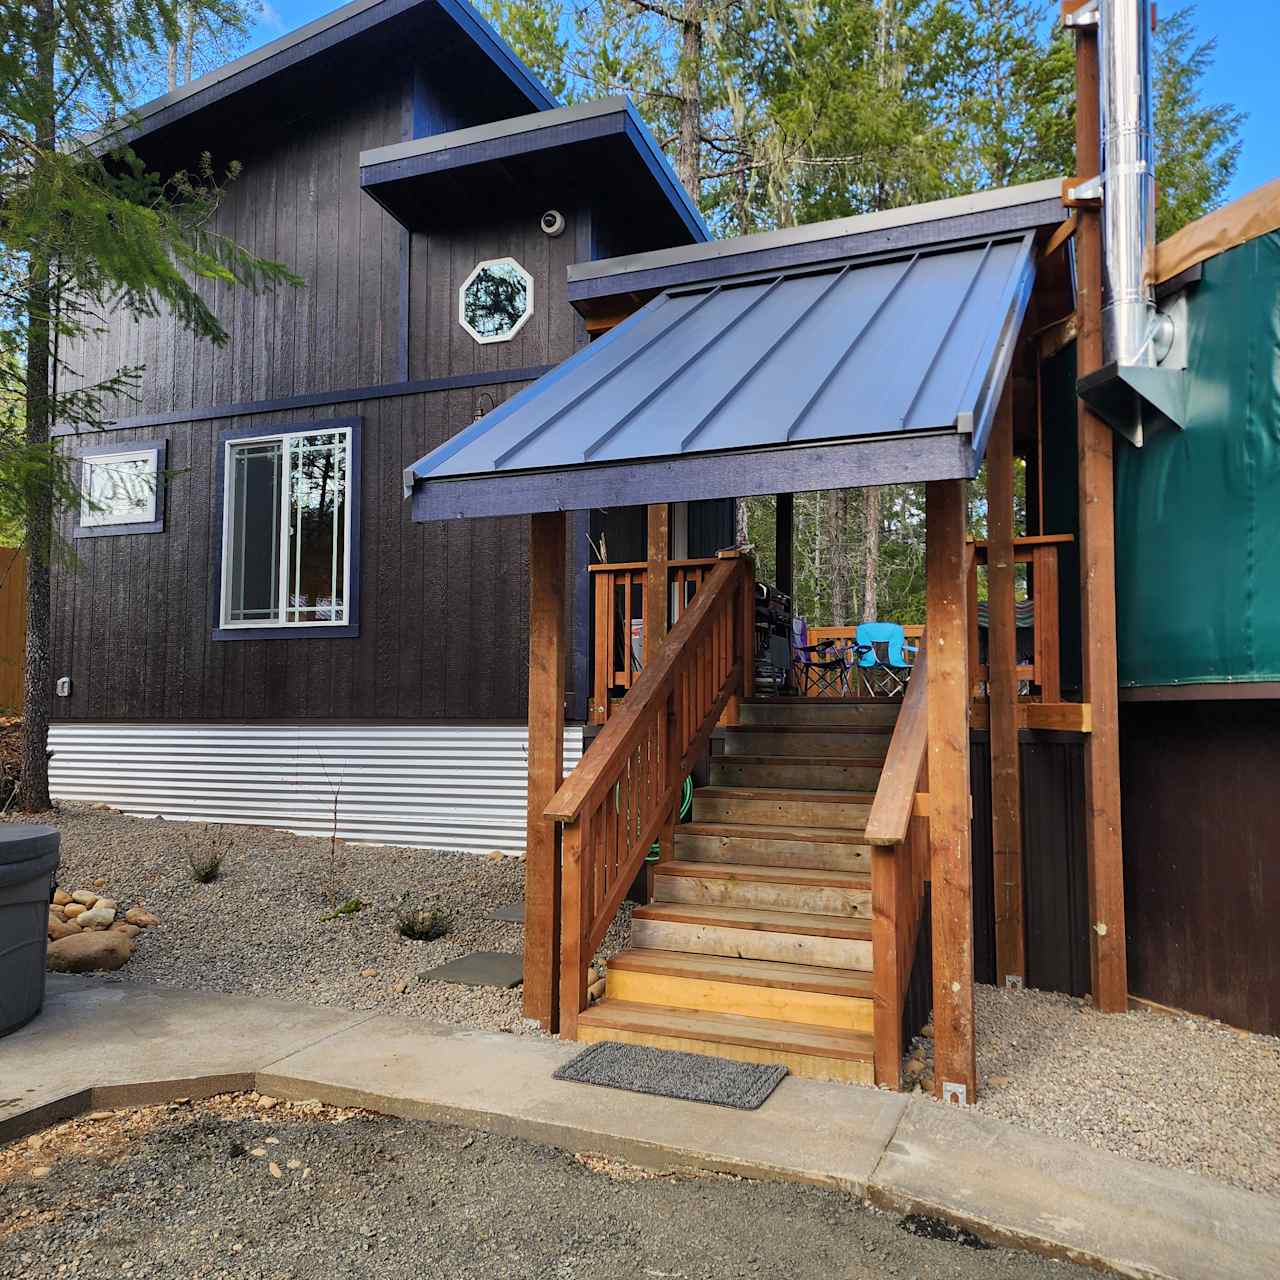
221, 1190
258, 929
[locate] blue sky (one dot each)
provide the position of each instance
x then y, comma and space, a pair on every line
1245, 72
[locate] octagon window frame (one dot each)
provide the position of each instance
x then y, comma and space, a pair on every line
486, 339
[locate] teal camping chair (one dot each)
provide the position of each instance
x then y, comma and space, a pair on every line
884, 658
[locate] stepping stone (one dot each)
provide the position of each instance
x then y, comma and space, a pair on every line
513, 913
480, 969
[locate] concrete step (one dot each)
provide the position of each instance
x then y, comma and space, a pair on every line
820, 773
782, 888
822, 848
800, 993
779, 807
853, 742
820, 711
815, 1052
833, 942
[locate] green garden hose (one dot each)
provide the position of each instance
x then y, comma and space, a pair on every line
686, 807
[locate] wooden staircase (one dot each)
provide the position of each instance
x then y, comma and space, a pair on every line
757, 944
784, 919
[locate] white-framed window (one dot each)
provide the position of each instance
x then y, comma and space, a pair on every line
287, 520
495, 300
120, 490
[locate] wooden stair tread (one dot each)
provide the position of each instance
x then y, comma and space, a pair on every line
865, 762
729, 1028
764, 874
785, 793
853, 983
757, 919
753, 831
772, 700
816, 726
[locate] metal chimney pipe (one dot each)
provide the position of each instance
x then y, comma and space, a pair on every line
1133, 333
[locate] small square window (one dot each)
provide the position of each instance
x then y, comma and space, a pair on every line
121, 491
287, 527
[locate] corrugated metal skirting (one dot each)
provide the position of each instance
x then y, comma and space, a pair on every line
434, 786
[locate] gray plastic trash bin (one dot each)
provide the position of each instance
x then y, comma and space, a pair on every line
28, 859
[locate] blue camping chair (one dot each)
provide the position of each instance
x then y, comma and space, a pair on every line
884, 658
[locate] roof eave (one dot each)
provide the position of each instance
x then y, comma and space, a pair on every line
315, 38
1027, 208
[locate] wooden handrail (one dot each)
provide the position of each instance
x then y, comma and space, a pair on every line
633, 565
625, 791
892, 807
650, 686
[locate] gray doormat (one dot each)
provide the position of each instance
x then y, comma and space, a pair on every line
667, 1073
480, 969
513, 913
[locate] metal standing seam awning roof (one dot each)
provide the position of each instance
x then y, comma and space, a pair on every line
872, 371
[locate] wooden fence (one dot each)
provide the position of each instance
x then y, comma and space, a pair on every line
13, 628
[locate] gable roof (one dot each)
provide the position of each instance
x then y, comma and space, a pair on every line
327, 36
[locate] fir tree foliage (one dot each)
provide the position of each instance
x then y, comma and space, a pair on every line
86, 232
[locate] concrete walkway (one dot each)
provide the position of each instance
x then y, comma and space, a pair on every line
101, 1044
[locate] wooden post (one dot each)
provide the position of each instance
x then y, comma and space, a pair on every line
949, 803
1002, 692
547, 657
657, 593
1098, 576
784, 542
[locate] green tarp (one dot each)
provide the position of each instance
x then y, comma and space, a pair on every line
1198, 511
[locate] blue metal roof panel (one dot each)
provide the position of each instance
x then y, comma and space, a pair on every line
906, 344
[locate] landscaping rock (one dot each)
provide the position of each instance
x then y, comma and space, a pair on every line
141, 917
61, 897
73, 910
90, 952
84, 897
97, 917
129, 930
59, 929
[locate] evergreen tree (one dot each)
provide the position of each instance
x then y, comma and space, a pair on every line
85, 231
1197, 143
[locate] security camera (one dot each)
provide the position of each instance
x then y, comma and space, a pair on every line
552, 222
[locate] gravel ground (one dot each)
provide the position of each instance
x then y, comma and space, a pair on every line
257, 929
225, 1191
1183, 1092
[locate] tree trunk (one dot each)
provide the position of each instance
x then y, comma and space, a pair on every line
871, 555
689, 154
173, 66
190, 54
838, 568
741, 527
33, 793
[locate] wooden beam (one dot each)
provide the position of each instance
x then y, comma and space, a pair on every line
784, 543
1059, 717
1002, 694
548, 652
1098, 578
951, 870
657, 594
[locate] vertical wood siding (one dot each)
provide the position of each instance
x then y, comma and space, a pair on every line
443, 611
1202, 874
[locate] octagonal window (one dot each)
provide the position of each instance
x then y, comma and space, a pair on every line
495, 300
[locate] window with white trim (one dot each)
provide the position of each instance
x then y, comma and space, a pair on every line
286, 535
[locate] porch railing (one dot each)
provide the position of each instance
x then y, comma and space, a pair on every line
1040, 552
618, 593
898, 834
625, 792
